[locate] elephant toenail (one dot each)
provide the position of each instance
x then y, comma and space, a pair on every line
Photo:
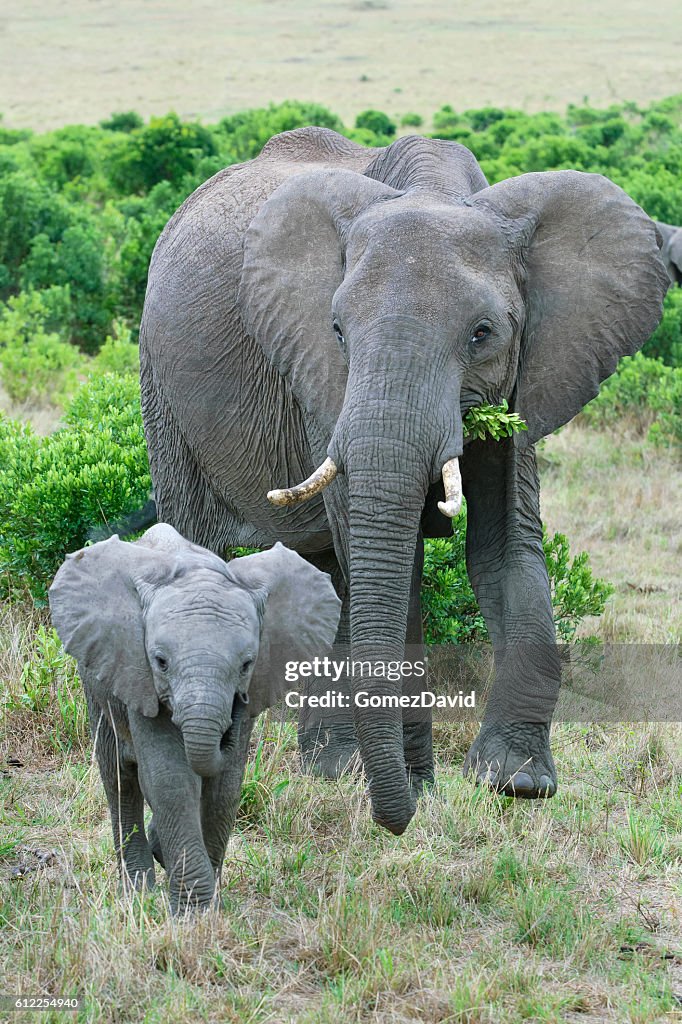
520, 783
546, 786
487, 778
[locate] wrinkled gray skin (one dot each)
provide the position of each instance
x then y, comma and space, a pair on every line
328, 299
178, 652
671, 250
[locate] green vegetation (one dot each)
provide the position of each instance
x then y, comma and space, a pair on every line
83, 206
53, 489
645, 394
452, 615
492, 421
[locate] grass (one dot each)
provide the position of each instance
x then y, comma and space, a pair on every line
213, 59
618, 498
486, 910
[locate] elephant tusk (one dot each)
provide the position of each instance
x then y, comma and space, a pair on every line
452, 482
315, 483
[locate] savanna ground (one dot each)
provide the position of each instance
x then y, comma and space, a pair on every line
486, 910
79, 60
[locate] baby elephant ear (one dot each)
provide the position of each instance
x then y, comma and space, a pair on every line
594, 286
300, 619
97, 613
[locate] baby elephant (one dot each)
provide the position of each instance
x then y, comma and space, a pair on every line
178, 652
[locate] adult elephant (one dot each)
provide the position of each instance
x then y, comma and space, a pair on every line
335, 306
671, 250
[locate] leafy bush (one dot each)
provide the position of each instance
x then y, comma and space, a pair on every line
166, 149
666, 341
377, 122
243, 135
118, 354
53, 489
644, 393
452, 615
35, 362
76, 260
126, 121
666, 405
27, 208
411, 120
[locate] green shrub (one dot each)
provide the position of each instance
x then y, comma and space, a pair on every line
449, 608
126, 121
76, 259
666, 341
35, 362
54, 489
451, 613
243, 135
411, 120
28, 207
118, 354
377, 122
643, 393
666, 404
164, 150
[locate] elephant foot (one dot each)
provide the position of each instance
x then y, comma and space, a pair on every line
514, 759
329, 752
137, 879
155, 843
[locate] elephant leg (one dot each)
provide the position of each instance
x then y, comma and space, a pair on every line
506, 565
126, 803
155, 842
220, 800
173, 791
326, 736
417, 724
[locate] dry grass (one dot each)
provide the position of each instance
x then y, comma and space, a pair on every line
43, 417
619, 499
78, 62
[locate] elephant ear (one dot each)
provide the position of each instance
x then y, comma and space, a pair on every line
671, 250
594, 286
96, 609
300, 619
293, 264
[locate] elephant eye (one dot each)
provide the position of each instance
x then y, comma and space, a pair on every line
246, 666
481, 333
161, 663
339, 333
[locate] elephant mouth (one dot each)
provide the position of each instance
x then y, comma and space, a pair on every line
230, 738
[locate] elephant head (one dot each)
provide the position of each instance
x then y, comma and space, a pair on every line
671, 251
165, 622
392, 301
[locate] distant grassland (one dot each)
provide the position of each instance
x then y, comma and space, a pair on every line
77, 62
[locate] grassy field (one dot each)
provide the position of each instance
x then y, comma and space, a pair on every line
486, 910
62, 62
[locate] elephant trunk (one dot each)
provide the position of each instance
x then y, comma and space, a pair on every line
381, 570
389, 447
204, 727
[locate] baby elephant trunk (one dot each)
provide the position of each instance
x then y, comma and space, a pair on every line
206, 731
